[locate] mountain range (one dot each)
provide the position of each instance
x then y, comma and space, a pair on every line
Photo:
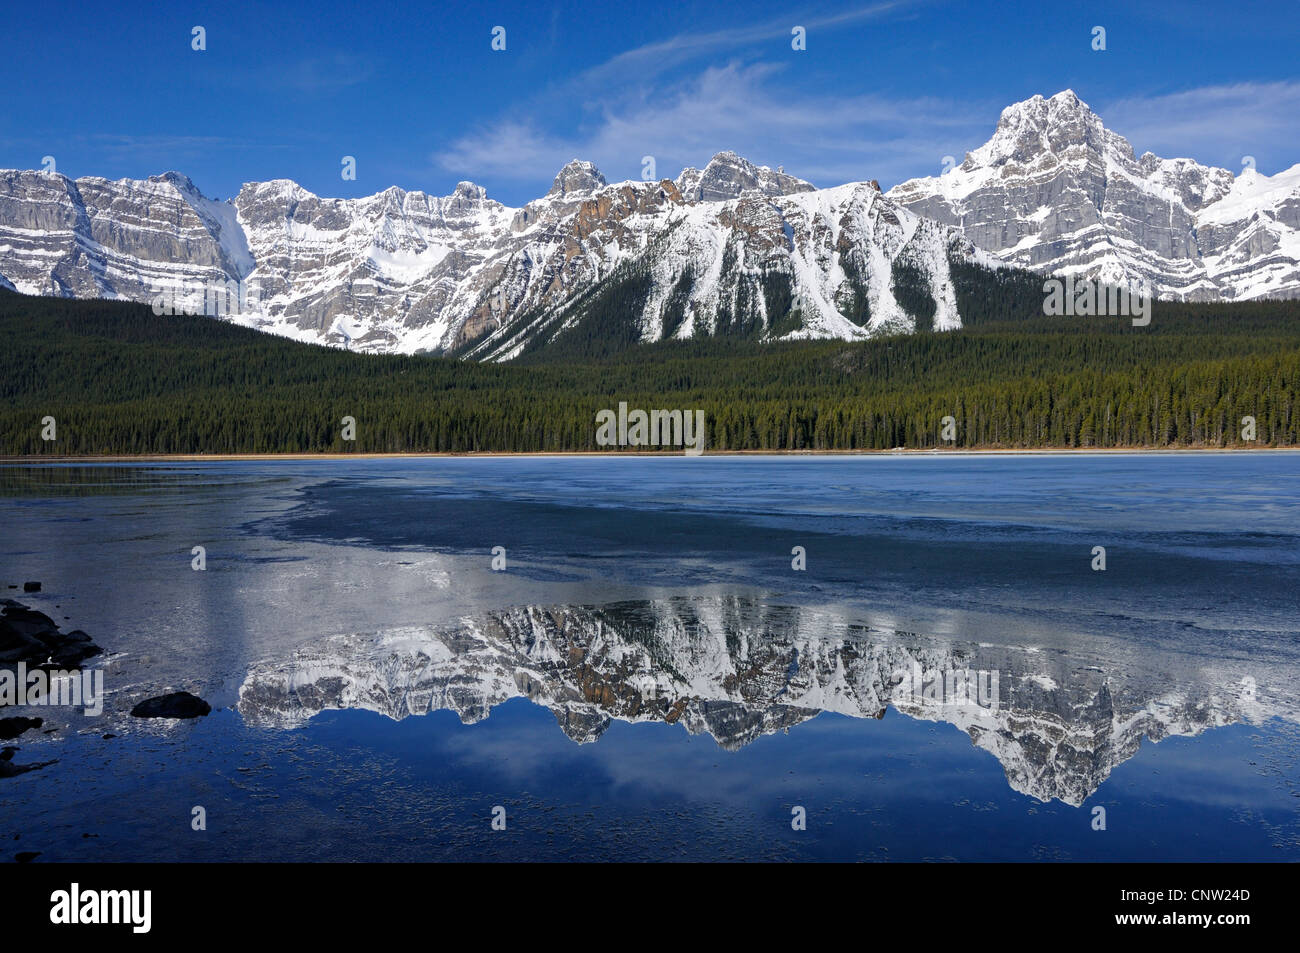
730, 249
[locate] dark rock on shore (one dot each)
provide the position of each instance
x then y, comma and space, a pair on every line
174, 705
11, 728
33, 637
8, 769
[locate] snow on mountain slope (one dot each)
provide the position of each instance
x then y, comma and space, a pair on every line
380, 273
811, 264
1251, 237
1055, 190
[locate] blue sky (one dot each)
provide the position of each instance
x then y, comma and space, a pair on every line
416, 94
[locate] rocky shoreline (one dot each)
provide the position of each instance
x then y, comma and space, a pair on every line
33, 638
34, 651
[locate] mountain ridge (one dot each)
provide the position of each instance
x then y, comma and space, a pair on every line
733, 248
406, 271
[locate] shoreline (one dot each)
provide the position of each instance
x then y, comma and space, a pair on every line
898, 452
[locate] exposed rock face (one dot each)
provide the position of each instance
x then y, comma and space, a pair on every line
1054, 190
738, 669
93, 238
577, 176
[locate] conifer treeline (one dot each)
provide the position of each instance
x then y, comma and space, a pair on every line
119, 380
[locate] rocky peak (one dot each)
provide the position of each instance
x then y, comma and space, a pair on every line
577, 176
1028, 130
466, 197
470, 191
181, 183
729, 176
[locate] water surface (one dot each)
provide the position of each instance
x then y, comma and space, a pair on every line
649, 678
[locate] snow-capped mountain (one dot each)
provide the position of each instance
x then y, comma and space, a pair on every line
734, 248
1055, 190
738, 669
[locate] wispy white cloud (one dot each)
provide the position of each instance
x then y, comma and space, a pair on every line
327, 73
320, 75
509, 149
1214, 124
651, 101
828, 139
654, 58
117, 146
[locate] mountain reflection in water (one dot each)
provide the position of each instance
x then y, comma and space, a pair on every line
738, 669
